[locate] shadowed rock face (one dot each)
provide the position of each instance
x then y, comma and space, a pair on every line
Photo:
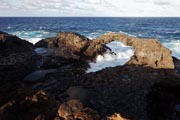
17, 57
11, 43
148, 52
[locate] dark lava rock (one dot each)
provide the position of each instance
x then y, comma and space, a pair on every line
163, 100
17, 57
29, 106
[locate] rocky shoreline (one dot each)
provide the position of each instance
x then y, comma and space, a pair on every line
145, 88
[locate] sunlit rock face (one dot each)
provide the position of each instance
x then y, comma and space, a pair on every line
148, 52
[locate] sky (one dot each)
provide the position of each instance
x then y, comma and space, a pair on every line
91, 8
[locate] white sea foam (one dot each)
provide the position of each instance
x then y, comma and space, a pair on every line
174, 46
119, 55
33, 36
34, 40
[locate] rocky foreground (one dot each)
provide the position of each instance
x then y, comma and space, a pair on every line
145, 88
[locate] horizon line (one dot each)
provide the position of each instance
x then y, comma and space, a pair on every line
100, 16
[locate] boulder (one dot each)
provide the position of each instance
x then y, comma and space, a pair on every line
148, 52
17, 57
68, 109
73, 109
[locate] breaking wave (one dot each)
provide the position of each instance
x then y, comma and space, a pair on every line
119, 55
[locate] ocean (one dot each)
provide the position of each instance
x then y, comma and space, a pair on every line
33, 29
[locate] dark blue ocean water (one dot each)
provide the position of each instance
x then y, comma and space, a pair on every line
167, 30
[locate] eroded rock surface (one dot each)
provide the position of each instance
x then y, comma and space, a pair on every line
148, 52
72, 46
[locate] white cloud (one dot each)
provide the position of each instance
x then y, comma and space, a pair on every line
89, 8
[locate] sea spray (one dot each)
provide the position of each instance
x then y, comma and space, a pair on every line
119, 55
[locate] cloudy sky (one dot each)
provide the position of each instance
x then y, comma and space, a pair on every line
120, 8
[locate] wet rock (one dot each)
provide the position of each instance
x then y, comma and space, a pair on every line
38, 74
